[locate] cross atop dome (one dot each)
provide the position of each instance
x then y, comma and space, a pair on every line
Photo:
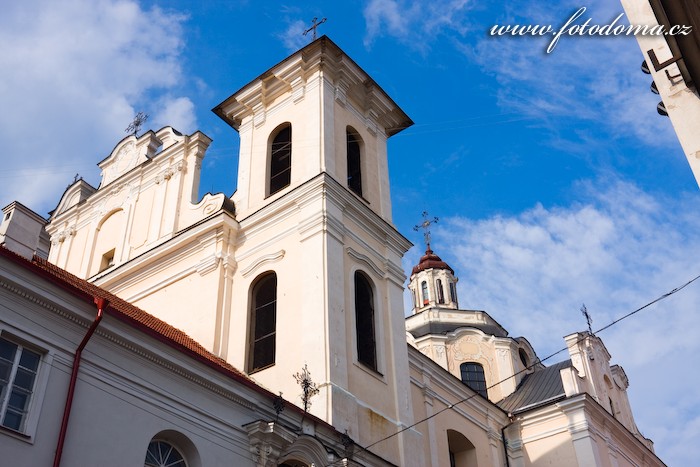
425, 225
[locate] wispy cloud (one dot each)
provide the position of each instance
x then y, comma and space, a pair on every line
414, 23
616, 250
592, 80
293, 37
73, 74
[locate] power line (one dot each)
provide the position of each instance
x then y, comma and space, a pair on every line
453, 405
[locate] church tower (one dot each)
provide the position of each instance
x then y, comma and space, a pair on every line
300, 268
319, 279
470, 344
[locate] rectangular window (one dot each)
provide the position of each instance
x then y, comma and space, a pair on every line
18, 371
107, 260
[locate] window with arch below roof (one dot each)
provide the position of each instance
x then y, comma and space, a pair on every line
472, 374
453, 293
354, 161
364, 321
280, 160
440, 292
163, 454
424, 292
263, 323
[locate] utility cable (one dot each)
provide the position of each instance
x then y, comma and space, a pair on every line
453, 405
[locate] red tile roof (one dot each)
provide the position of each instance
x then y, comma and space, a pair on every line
137, 318
130, 314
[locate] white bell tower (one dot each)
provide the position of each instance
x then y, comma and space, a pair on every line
319, 280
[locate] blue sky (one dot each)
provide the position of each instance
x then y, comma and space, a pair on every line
555, 180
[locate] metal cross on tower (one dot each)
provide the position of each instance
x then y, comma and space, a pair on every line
135, 126
425, 225
589, 320
315, 24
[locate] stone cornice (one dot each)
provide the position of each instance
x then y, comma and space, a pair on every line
184, 244
321, 57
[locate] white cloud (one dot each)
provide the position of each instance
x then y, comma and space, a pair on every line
293, 37
615, 251
597, 79
415, 23
74, 73
591, 79
178, 113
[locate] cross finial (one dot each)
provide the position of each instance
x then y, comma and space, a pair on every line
589, 320
76, 178
425, 225
135, 126
308, 387
315, 23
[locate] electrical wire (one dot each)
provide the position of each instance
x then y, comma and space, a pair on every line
362, 448
453, 405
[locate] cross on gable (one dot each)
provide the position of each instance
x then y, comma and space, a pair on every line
135, 126
425, 225
315, 24
587, 315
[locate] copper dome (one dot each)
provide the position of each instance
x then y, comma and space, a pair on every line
430, 261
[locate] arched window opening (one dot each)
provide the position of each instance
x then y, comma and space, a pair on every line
354, 161
453, 293
473, 376
440, 293
523, 357
263, 323
162, 454
462, 452
424, 292
364, 321
109, 235
281, 159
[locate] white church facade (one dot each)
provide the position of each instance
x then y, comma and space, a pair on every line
210, 306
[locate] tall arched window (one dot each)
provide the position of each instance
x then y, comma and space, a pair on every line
263, 323
424, 292
453, 293
364, 321
281, 159
440, 292
473, 376
354, 161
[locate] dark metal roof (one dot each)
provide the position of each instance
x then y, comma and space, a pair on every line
536, 389
444, 328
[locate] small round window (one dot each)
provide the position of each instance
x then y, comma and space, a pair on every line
162, 454
523, 357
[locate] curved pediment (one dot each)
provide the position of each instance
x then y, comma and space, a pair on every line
131, 152
74, 195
